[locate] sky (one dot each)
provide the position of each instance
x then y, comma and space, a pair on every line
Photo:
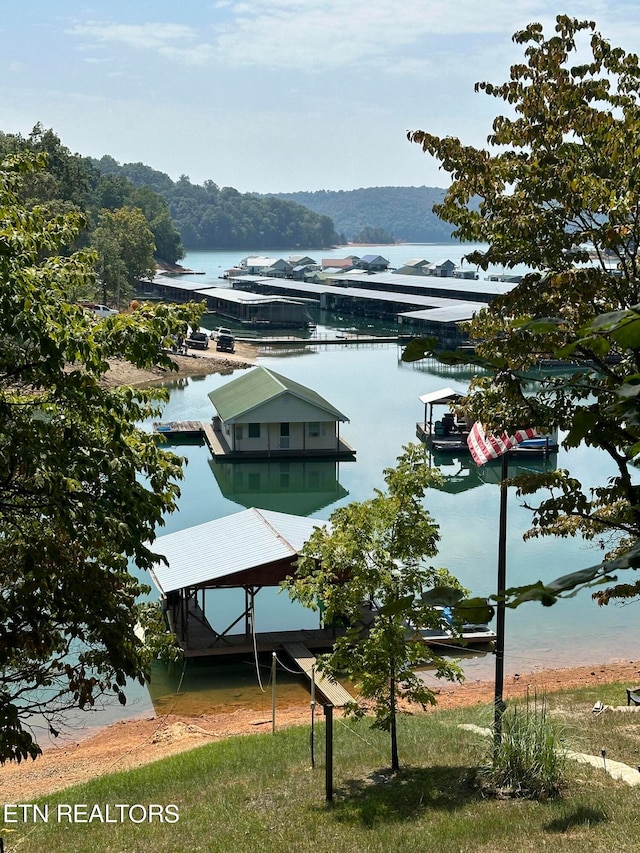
271, 95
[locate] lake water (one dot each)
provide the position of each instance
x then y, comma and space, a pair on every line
379, 394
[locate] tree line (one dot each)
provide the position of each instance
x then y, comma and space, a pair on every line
400, 213
128, 228
212, 217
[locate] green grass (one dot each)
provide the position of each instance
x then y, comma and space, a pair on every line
259, 793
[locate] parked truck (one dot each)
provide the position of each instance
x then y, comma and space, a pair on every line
226, 343
198, 340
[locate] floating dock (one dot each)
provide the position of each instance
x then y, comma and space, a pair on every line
215, 441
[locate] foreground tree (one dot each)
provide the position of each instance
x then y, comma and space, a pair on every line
82, 489
366, 569
557, 190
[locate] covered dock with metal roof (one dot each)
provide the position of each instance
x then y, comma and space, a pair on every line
252, 310
444, 324
248, 550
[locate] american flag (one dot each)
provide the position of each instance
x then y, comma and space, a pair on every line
484, 446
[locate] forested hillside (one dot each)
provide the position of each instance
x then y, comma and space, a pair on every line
128, 227
210, 217
403, 212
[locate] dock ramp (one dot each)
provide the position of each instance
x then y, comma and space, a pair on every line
332, 690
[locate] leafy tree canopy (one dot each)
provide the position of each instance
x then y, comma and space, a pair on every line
124, 244
369, 234
82, 489
367, 567
557, 190
71, 182
405, 212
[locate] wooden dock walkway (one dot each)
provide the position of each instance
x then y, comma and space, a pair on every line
332, 690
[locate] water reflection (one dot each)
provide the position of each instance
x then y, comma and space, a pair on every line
461, 474
299, 487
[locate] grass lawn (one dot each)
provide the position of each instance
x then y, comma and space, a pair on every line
259, 793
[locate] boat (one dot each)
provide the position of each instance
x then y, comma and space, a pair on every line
449, 433
447, 633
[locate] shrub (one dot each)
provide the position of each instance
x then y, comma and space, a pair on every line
531, 759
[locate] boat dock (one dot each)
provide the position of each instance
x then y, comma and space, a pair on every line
331, 689
204, 642
346, 339
176, 431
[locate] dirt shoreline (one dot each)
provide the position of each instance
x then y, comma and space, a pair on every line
133, 743
195, 363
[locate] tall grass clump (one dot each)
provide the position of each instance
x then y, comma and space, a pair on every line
531, 759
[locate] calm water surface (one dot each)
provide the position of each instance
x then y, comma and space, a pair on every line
380, 394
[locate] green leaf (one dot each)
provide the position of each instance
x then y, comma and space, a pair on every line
474, 610
442, 596
395, 608
418, 349
627, 334
584, 421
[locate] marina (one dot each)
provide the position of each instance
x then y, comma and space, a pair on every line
379, 393
264, 293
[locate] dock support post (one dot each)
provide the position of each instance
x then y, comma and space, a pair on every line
273, 692
328, 779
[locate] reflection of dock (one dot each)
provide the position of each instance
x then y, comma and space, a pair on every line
202, 640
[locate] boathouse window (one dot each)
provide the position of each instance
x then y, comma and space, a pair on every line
254, 431
315, 429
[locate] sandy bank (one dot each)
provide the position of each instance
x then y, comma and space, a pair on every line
196, 363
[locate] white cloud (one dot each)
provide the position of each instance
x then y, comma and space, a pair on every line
175, 41
401, 38
321, 33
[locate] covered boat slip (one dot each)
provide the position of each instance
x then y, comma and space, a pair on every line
249, 550
249, 309
448, 433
